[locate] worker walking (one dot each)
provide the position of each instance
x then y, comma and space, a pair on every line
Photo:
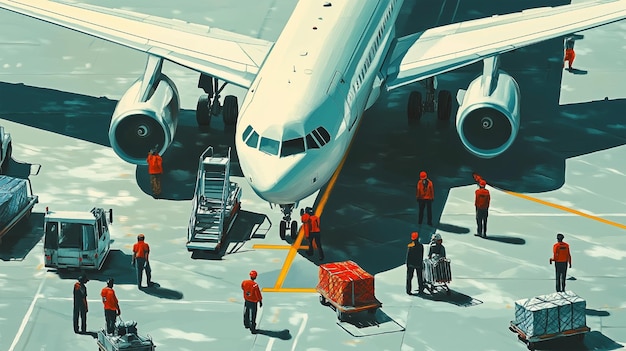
251, 295
314, 234
141, 252
481, 202
414, 261
436, 249
425, 196
561, 258
570, 54
80, 304
111, 306
155, 169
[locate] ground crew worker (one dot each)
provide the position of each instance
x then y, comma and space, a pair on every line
436, 250
141, 252
305, 219
481, 202
425, 196
561, 257
111, 306
155, 169
314, 234
570, 54
80, 304
414, 261
251, 295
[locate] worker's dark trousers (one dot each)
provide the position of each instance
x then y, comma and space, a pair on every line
429, 211
80, 310
109, 317
142, 265
561, 272
409, 278
481, 220
315, 236
249, 314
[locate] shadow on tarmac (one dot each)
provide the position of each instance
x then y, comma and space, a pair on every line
117, 265
593, 340
506, 239
157, 290
284, 334
17, 243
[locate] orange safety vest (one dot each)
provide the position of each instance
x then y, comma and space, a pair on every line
315, 224
306, 225
155, 164
482, 199
141, 249
427, 192
109, 299
251, 291
561, 252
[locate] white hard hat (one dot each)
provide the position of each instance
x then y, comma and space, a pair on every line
436, 236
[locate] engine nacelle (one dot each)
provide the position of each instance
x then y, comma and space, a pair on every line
488, 123
137, 127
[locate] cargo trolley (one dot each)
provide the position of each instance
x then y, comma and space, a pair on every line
531, 341
436, 275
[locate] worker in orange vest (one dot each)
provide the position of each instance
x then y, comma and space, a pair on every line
481, 202
314, 234
155, 169
425, 196
570, 54
111, 306
305, 219
561, 257
141, 252
251, 295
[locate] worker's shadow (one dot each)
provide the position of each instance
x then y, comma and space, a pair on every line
506, 239
157, 290
577, 71
277, 334
455, 298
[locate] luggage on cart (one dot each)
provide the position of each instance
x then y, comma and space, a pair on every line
127, 342
128, 327
437, 274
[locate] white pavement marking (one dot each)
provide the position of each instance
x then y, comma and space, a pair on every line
305, 318
20, 331
270, 344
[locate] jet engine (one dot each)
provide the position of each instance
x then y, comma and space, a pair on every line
488, 121
140, 123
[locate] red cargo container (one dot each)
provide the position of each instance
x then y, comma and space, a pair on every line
347, 287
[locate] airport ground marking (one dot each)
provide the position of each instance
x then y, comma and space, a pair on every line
291, 290
26, 318
277, 247
566, 209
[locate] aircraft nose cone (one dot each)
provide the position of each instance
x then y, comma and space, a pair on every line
275, 188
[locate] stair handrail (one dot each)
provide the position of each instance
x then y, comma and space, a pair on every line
196, 197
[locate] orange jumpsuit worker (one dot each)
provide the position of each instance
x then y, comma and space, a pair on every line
305, 218
314, 234
111, 306
561, 257
481, 202
251, 295
570, 55
141, 252
155, 169
425, 195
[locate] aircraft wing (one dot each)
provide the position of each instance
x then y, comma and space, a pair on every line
442, 49
232, 57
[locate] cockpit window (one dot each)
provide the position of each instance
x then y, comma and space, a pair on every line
310, 142
246, 133
269, 146
324, 133
253, 140
292, 147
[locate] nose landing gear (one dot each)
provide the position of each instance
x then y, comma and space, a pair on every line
286, 221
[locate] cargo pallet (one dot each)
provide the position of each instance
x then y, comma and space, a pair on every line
531, 341
343, 310
23, 213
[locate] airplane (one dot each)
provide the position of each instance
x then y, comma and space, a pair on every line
307, 92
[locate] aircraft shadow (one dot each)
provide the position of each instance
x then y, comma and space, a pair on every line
157, 290
284, 334
17, 243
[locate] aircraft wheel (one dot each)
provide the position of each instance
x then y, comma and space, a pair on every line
282, 229
294, 230
230, 110
414, 107
444, 105
203, 115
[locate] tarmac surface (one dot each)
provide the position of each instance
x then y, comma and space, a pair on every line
564, 173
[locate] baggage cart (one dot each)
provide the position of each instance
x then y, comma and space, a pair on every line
437, 274
125, 338
531, 341
16, 202
347, 288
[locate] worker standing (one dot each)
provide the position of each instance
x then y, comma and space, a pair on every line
436, 250
305, 219
80, 304
414, 261
425, 196
314, 234
481, 202
141, 253
561, 258
570, 54
251, 295
155, 169
111, 306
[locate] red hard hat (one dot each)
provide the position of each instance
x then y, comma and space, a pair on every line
253, 274
483, 182
414, 236
423, 175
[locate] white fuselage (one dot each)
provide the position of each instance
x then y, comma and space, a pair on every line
302, 110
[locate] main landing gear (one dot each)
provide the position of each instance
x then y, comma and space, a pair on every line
286, 221
209, 103
417, 105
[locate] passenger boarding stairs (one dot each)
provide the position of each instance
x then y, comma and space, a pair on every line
215, 203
